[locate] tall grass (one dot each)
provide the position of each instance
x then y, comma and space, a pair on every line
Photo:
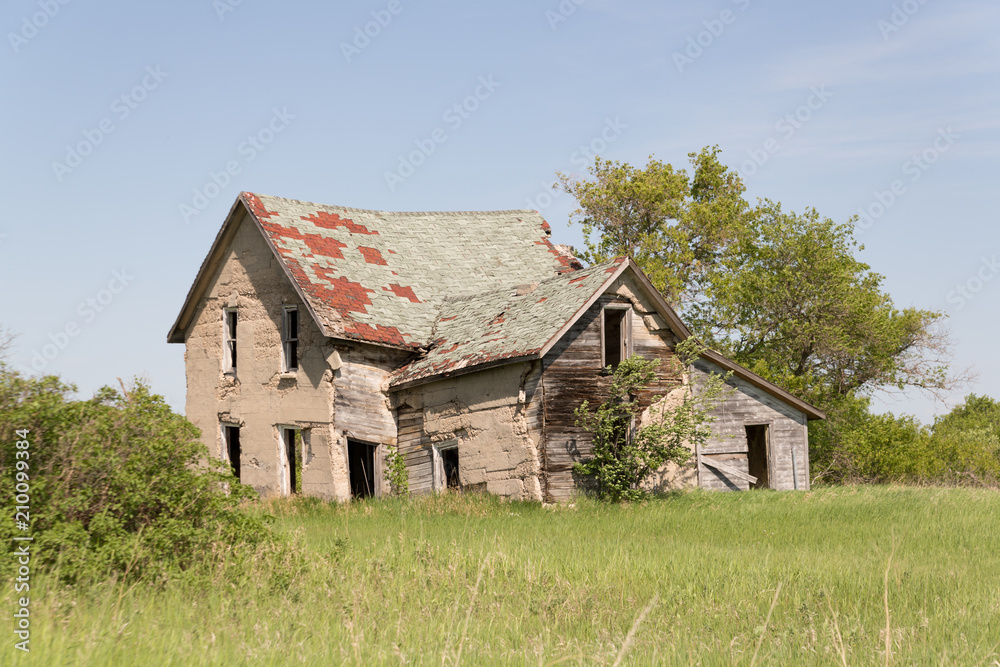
833, 576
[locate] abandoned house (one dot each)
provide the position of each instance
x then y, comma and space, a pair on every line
319, 338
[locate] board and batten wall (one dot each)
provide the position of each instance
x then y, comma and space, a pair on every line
743, 405
572, 373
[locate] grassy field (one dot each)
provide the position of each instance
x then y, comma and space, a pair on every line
833, 576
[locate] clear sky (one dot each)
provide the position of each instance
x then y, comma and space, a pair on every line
130, 128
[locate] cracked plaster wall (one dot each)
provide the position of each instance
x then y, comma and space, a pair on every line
258, 397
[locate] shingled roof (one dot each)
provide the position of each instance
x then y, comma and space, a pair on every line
502, 324
381, 277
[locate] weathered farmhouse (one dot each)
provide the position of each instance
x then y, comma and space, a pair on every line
320, 337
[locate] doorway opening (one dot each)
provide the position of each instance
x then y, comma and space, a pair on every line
361, 467
758, 449
232, 439
446, 467
292, 445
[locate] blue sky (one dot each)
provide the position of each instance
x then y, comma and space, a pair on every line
130, 128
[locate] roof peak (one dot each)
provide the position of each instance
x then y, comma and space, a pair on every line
400, 213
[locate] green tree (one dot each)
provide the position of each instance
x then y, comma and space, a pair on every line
965, 443
780, 293
674, 224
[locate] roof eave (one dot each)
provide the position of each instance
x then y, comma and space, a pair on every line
179, 329
210, 264
465, 370
811, 411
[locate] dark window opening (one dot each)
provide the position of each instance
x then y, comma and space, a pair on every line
294, 459
233, 448
361, 466
615, 337
449, 462
291, 339
757, 455
231, 340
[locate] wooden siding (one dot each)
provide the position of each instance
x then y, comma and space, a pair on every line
746, 405
360, 410
415, 449
572, 373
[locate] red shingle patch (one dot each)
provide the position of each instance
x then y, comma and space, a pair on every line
339, 293
498, 319
448, 319
323, 246
568, 263
545, 226
372, 256
332, 221
319, 245
392, 252
256, 206
542, 299
405, 292
378, 333
576, 280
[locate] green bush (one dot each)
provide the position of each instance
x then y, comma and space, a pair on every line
120, 486
962, 447
624, 455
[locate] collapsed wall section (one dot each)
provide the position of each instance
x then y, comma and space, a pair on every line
492, 421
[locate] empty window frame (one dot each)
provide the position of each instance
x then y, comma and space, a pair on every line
445, 474
290, 459
290, 339
229, 337
231, 447
616, 335
361, 467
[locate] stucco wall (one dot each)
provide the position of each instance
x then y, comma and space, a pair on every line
493, 415
258, 397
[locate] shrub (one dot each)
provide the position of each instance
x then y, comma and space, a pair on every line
396, 472
623, 456
119, 484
